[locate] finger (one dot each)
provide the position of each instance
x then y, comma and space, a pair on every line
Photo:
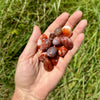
65, 61
79, 29
74, 19
59, 22
31, 46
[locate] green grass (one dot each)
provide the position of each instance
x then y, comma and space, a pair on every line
17, 18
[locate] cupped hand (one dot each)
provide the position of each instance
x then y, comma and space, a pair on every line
31, 79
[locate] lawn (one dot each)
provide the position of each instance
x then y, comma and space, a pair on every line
81, 80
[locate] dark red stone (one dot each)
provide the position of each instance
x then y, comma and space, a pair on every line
54, 60
62, 51
48, 65
43, 56
67, 42
52, 52
52, 36
56, 41
45, 45
58, 31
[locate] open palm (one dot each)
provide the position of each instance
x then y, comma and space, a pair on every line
31, 77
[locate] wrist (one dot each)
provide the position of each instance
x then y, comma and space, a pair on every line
23, 95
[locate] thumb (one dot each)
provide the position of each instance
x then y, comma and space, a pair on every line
31, 46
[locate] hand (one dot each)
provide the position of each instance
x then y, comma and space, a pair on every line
31, 80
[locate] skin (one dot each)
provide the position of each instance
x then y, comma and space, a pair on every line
32, 82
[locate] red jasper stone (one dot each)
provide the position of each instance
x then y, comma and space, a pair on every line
52, 36
67, 42
62, 51
42, 38
66, 31
43, 56
54, 60
56, 41
45, 45
58, 31
48, 65
52, 52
